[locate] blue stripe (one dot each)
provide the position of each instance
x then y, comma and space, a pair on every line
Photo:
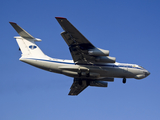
51, 61
86, 64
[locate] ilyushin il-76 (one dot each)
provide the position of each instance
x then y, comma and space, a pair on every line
91, 66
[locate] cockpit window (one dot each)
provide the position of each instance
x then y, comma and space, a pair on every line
141, 67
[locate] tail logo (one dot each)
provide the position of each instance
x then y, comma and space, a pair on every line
32, 47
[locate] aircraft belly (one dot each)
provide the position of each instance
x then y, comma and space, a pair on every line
118, 72
112, 72
73, 70
96, 71
49, 66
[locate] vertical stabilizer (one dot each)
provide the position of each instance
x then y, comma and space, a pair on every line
28, 47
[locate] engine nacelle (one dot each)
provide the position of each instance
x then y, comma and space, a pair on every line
105, 59
98, 83
106, 79
98, 52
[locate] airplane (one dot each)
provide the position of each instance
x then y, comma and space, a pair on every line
91, 66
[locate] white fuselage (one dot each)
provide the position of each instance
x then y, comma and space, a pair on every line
89, 71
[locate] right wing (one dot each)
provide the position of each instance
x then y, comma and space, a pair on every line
81, 49
78, 44
73, 35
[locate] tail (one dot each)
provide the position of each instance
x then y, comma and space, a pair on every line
27, 43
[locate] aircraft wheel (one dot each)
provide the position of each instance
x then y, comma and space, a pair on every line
124, 80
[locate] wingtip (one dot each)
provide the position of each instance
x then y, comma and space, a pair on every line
12, 23
60, 18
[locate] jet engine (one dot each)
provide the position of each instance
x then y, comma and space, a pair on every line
98, 83
105, 59
98, 52
106, 79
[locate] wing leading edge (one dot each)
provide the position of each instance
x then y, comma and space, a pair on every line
74, 37
21, 31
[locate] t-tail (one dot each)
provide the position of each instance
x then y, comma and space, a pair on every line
27, 43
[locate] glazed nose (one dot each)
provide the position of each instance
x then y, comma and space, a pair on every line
147, 73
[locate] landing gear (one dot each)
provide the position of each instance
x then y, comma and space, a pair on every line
79, 73
83, 73
87, 74
124, 80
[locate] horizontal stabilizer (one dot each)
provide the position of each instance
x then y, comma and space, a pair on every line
21, 31
27, 43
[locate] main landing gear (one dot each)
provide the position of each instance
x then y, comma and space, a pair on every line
87, 73
124, 80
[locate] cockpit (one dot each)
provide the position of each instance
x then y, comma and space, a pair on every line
140, 67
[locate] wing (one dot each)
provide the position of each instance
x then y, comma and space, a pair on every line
78, 86
81, 49
77, 43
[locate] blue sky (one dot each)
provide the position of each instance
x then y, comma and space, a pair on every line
129, 29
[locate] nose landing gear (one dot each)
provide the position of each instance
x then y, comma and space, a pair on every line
124, 80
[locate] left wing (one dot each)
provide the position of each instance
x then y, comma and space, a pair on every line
78, 86
21, 31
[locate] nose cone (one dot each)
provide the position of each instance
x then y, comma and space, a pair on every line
147, 73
